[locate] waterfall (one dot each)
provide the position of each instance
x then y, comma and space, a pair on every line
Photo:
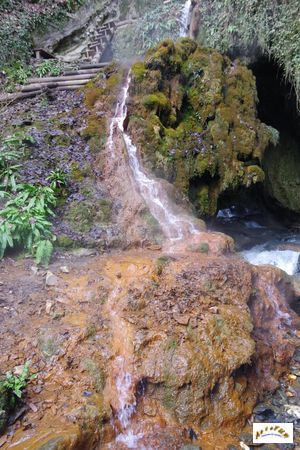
185, 18
175, 227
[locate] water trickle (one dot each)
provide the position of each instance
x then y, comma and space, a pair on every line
127, 404
174, 226
117, 120
185, 18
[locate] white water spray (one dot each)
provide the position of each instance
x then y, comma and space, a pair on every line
185, 18
115, 122
124, 384
287, 260
174, 226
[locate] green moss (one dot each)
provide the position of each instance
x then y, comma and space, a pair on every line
92, 94
194, 118
156, 102
76, 174
64, 241
270, 25
113, 81
96, 127
282, 167
203, 247
85, 214
161, 263
139, 71
96, 373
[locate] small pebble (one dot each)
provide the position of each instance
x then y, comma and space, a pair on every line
87, 393
292, 377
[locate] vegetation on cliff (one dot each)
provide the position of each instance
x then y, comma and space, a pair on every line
193, 114
254, 26
19, 19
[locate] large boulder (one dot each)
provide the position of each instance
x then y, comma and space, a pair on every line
282, 167
192, 113
199, 347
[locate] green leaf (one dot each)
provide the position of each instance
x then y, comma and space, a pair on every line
43, 252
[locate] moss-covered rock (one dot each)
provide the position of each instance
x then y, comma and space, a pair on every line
193, 114
282, 168
84, 215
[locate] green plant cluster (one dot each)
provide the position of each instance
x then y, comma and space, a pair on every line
18, 72
24, 217
11, 391
50, 67
193, 113
270, 25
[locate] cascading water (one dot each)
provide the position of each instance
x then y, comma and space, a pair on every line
287, 260
116, 120
261, 239
185, 18
174, 226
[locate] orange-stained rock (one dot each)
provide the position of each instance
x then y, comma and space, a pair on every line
274, 323
205, 336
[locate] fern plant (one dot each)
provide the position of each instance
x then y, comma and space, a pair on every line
31, 196
26, 227
49, 67
8, 177
23, 220
15, 384
58, 179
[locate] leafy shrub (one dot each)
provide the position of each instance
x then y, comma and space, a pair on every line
23, 220
25, 227
16, 73
15, 384
50, 67
11, 391
58, 179
30, 197
11, 150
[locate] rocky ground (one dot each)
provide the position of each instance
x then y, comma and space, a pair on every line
204, 334
192, 347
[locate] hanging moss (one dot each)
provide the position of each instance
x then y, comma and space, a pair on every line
193, 114
252, 27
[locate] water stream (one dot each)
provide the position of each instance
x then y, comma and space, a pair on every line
261, 237
185, 18
175, 226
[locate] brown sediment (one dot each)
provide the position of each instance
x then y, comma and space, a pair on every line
183, 325
202, 333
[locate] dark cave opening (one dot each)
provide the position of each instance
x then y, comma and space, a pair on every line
277, 104
272, 208
277, 107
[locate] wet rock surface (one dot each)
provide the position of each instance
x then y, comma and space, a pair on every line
195, 348
196, 124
